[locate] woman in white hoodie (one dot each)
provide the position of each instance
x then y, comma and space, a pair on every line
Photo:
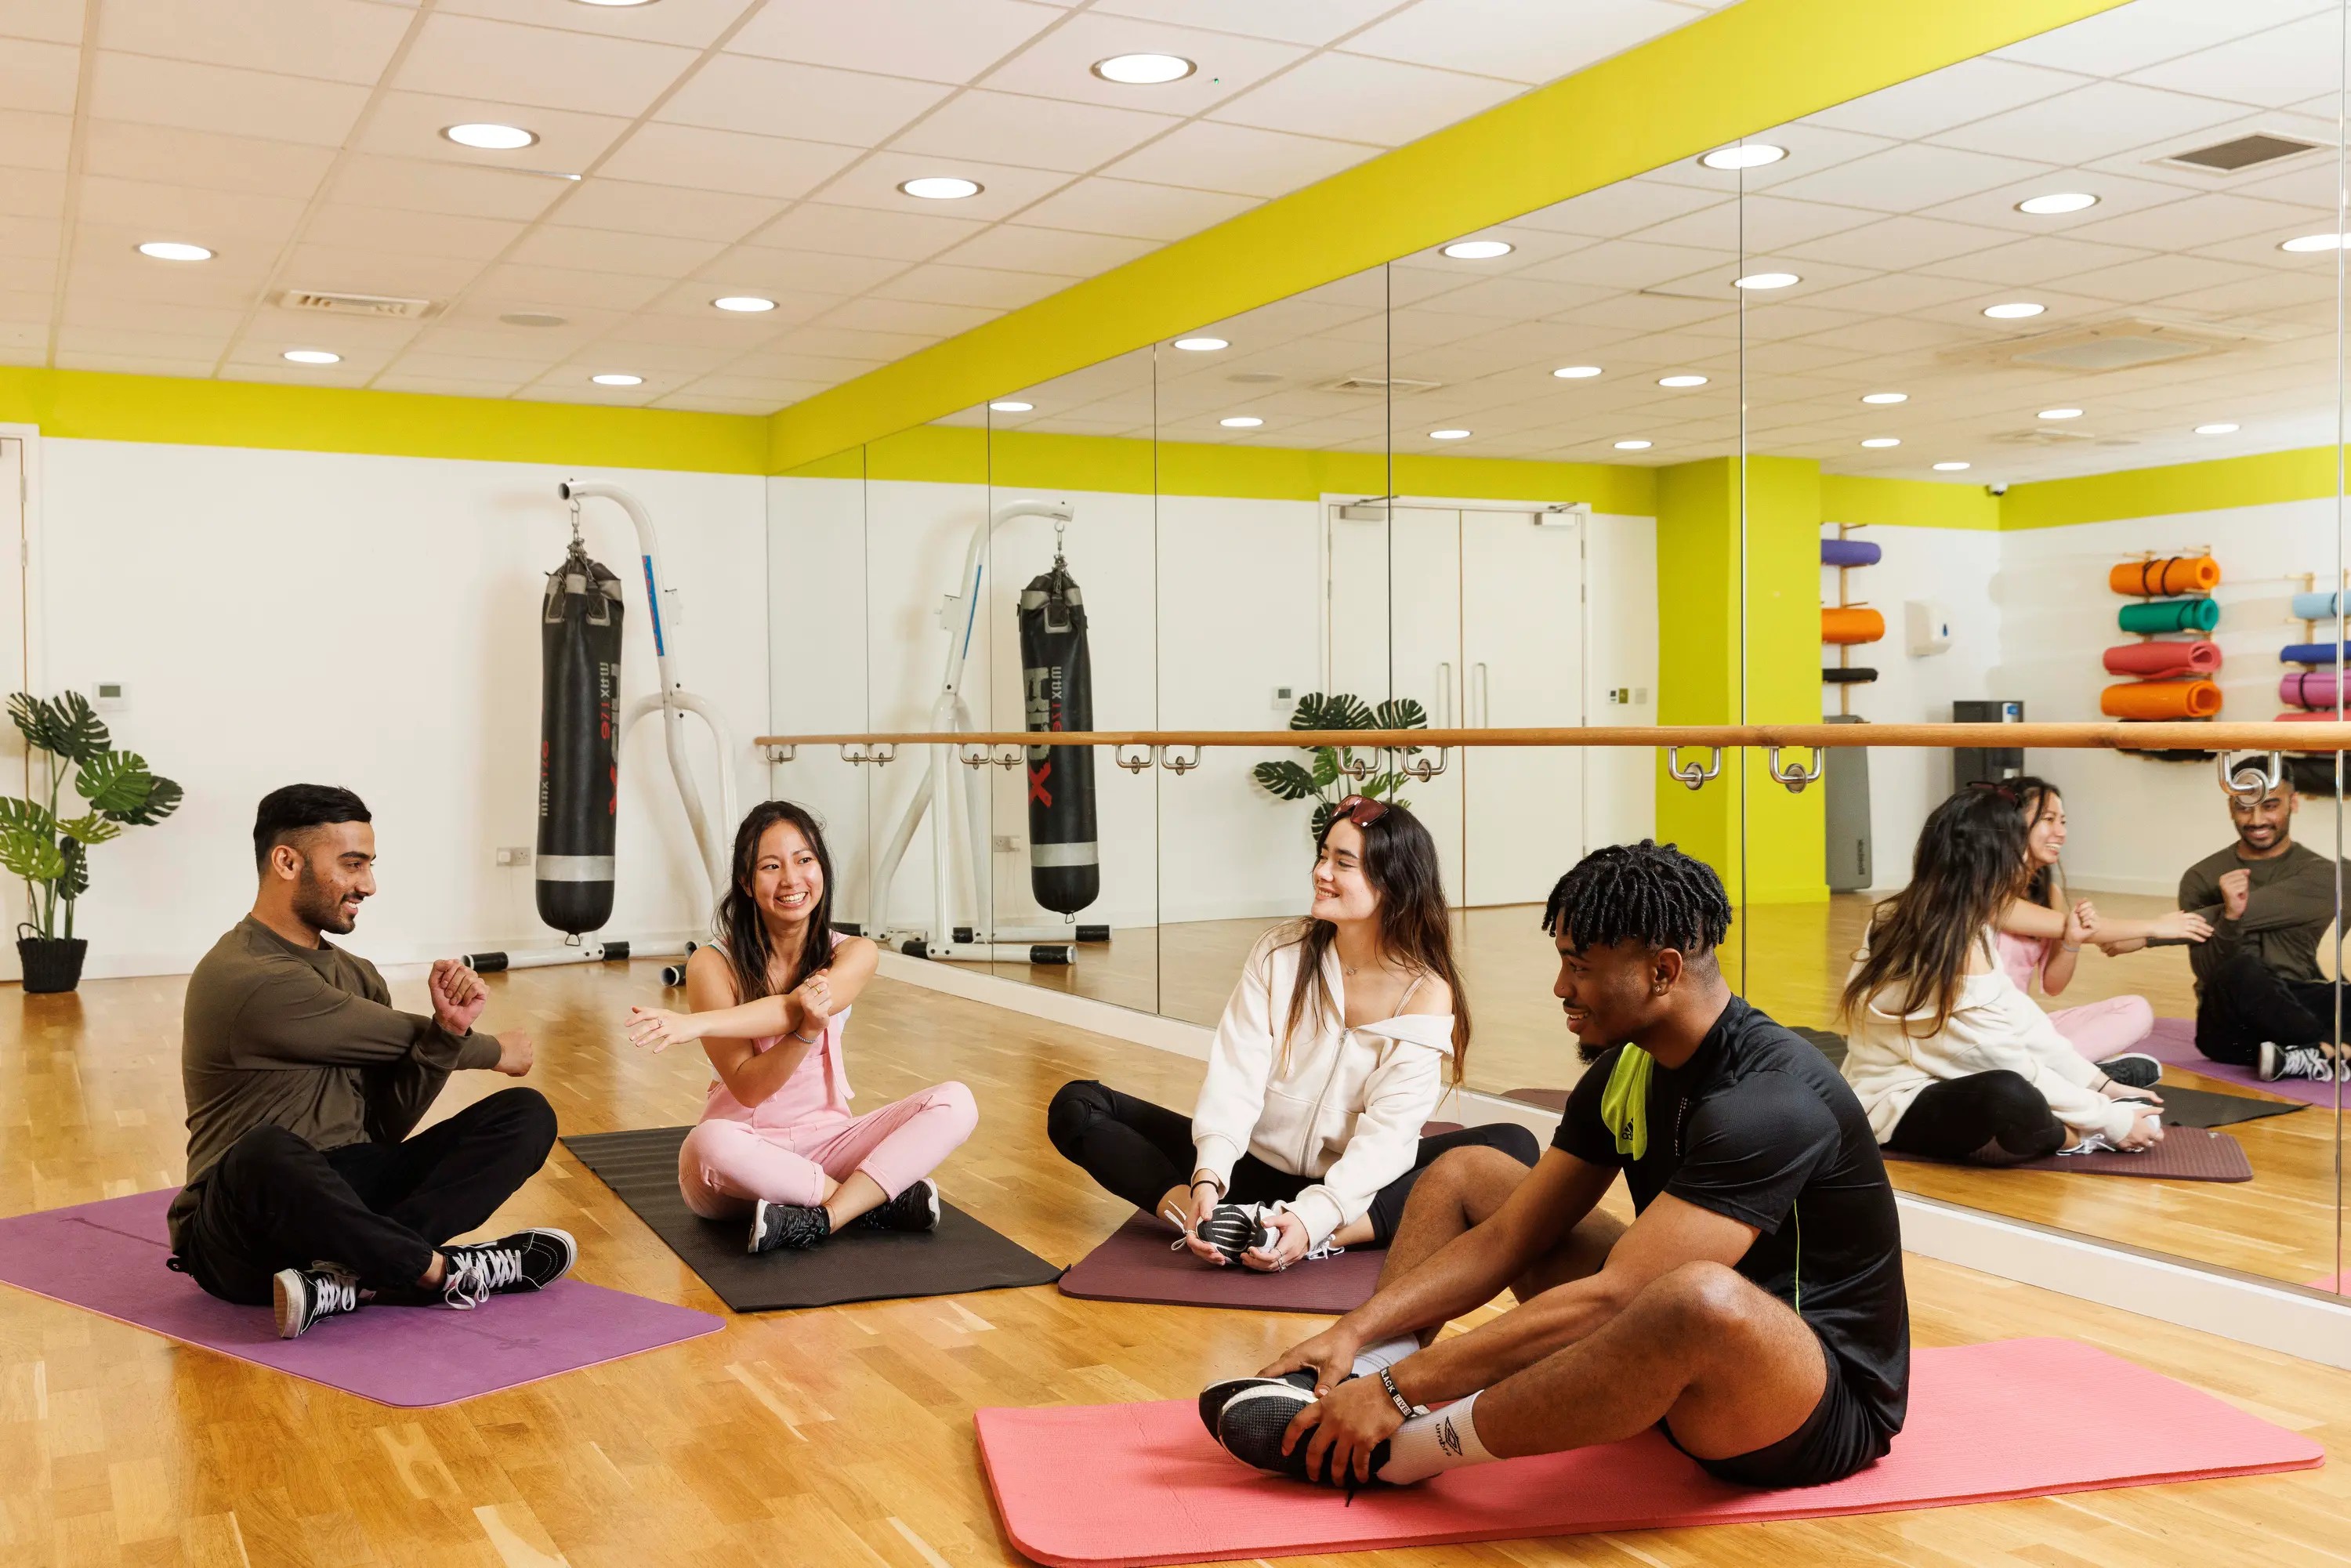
1336, 1047
1950, 1059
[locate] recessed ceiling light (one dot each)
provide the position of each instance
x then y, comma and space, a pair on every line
1477, 249
1576, 373
1241, 421
1449, 435
744, 304
617, 377
2060, 413
1201, 345
1886, 397
174, 250
311, 357
2216, 430
487, 137
1766, 281
1951, 467
941, 187
2314, 242
1749, 155
2015, 310
1632, 446
1144, 70
1012, 405
1681, 380
532, 318
2058, 202
1883, 441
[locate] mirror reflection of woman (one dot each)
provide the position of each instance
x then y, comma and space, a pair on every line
1335, 1049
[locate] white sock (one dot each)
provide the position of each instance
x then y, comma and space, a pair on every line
1372, 1359
1429, 1445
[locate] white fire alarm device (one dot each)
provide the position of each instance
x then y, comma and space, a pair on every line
1927, 628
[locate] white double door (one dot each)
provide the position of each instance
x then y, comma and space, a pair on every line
1479, 616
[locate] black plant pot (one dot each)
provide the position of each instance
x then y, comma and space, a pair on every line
51, 963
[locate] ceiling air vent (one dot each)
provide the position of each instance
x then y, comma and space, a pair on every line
1376, 385
378, 304
2238, 154
2118, 345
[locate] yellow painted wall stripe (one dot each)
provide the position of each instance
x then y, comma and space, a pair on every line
1747, 66
2309, 473
1908, 503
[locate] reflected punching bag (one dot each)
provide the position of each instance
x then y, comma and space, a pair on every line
1064, 868
579, 742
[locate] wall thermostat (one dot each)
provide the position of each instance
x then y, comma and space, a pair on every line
109, 697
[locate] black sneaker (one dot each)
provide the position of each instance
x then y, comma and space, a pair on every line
526, 1260
303, 1296
1250, 1426
1213, 1396
915, 1209
1232, 1228
787, 1227
2133, 1069
2276, 1061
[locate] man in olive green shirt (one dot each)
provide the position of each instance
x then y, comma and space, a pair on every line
2261, 1001
304, 1083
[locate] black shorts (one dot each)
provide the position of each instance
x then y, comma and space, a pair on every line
1838, 1438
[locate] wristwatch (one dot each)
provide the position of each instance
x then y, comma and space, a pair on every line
1404, 1407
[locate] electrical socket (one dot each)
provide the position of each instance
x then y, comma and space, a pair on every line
514, 856
1007, 843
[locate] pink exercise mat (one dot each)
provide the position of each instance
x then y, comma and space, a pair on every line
1130, 1484
108, 1258
2173, 1043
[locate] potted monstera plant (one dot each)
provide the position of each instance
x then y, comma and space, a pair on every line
1333, 775
51, 851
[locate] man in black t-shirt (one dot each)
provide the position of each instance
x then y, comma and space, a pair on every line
1754, 1310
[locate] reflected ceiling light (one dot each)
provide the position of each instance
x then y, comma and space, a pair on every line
2216, 430
311, 357
941, 187
1766, 281
1886, 397
616, 4
1479, 249
1875, 441
1951, 467
2314, 242
1681, 380
2015, 310
1012, 405
487, 137
617, 379
744, 304
2057, 201
174, 250
1747, 155
1144, 70
1201, 345
2060, 413
1449, 435
1241, 421
1576, 373
1633, 445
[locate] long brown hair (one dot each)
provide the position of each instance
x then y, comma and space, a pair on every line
1415, 927
1969, 862
744, 933
2044, 884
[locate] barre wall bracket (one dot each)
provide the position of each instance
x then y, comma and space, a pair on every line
2248, 779
1691, 774
1793, 776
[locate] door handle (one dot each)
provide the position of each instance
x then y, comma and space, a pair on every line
1444, 718
1485, 710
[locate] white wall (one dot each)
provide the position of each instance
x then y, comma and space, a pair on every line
371, 621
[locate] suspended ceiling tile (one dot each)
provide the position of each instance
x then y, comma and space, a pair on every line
842, 342
685, 317
628, 206
449, 235
1900, 293
1909, 178
695, 24
1314, 22
2270, 294
2178, 281
1901, 243
775, 392
806, 368
409, 125
602, 250
1644, 313
38, 78
403, 381
465, 57
933, 40
50, 21
707, 160
31, 194
1510, 39
1514, 299
989, 286
201, 160
137, 364
1035, 132
560, 286
1355, 99
324, 40
1630, 206
1005, 188
88, 307
1780, 321
753, 270
915, 316
104, 259
2274, 70
1997, 208
1208, 156
2146, 31
347, 271
1059, 252
219, 98
75, 339
2202, 219
865, 232
1132, 210
2100, 121
660, 363
460, 367
411, 184
2306, 181
171, 211
1810, 147
1929, 104
698, 401
1637, 264
1060, 64
459, 334
814, 103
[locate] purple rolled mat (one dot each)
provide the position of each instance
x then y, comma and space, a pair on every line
1850, 552
2310, 689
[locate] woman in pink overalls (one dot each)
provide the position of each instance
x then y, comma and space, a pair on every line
778, 1143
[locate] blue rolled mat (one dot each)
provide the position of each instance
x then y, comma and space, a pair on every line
2310, 653
1859, 552
2315, 606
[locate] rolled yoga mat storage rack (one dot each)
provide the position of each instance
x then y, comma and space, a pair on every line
2174, 594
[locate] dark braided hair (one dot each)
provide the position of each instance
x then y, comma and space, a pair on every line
1647, 892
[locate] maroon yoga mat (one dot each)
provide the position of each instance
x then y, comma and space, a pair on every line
108, 1258
2186, 1154
1137, 1265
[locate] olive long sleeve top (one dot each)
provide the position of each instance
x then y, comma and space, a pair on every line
2290, 907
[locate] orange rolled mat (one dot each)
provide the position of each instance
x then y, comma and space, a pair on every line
2151, 659
2161, 699
2174, 574
1851, 624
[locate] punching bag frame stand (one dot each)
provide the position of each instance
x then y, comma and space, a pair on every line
953, 818
673, 702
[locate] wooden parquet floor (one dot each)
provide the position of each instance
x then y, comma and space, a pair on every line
835, 1437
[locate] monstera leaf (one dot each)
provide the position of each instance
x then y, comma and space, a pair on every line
74, 880
1285, 780
1399, 713
65, 725
29, 815
91, 828
1340, 710
34, 856
115, 781
163, 799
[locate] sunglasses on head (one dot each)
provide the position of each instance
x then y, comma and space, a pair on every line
1359, 810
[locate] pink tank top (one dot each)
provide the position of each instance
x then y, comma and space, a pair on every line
2021, 957
817, 1090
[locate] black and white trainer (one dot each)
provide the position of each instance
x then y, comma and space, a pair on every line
2278, 1061
1213, 1397
1251, 1425
303, 1296
915, 1209
2133, 1069
787, 1227
1233, 1228
526, 1260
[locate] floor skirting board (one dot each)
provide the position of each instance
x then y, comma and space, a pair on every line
2243, 1307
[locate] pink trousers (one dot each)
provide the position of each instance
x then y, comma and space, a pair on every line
2100, 1029
724, 1165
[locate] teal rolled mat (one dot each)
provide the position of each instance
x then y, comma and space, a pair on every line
2170, 615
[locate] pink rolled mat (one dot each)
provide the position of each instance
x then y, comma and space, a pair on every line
2308, 689
2015, 1418
2153, 660
108, 1258
2173, 1043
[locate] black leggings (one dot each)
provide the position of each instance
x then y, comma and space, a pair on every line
1138, 1150
2241, 1003
1985, 1119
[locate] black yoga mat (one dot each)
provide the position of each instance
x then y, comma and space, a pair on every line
962, 1255
2202, 1108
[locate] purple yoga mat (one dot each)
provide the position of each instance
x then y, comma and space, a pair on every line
109, 1258
1137, 1265
2173, 1043
2186, 1154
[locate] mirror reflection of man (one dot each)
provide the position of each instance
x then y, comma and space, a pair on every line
2261, 1001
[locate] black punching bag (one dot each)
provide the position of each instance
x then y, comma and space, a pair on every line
1065, 861
579, 742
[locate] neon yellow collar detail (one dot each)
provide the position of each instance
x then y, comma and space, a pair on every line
1624, 1103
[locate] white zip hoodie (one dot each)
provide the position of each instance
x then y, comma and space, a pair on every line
1346, 1108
